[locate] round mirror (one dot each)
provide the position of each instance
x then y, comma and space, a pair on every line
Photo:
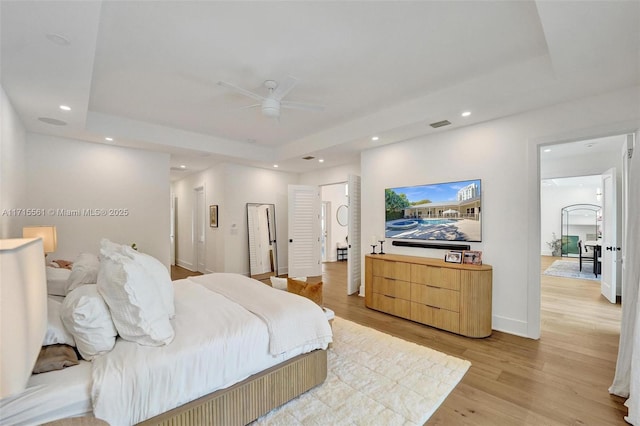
342, 215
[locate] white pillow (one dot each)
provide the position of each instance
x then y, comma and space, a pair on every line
159, 274
84, 271
86, 315
131, 292
281, 283
56, 331
57, 279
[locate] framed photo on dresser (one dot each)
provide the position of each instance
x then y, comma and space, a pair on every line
472, 257
453, 257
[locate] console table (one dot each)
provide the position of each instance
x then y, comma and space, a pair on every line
450, 296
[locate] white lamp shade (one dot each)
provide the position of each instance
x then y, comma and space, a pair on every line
47, 233
23, 311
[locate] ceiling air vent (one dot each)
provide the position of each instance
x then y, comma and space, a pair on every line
440, 124
178, 169
308, 157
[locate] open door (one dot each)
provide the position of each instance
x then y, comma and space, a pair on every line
354, 261
610, 249
304, 231
199, 230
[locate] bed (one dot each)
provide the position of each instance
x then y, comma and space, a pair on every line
239, 349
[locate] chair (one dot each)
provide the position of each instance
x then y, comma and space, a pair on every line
583, 255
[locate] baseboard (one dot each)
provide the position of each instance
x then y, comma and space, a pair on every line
511, 326
185, 265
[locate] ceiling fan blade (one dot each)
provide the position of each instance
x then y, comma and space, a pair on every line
241, 90
284, 88
301, 105
250, 106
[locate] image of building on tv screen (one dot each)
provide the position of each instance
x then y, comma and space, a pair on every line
448, 211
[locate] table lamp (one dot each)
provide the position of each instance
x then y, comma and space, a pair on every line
47, 233
23, 311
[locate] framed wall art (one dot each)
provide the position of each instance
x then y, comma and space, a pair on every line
213, 215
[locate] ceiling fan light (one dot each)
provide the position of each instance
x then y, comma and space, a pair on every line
271, 107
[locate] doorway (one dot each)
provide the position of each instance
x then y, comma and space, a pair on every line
567, 167
199, 219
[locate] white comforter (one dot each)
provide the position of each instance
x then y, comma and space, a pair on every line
217, 343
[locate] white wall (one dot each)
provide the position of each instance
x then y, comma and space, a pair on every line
66, 174
231, 187
331, 175
504, 154
13, 172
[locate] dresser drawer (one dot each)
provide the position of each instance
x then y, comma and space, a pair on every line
436, 317
392, 287
389, 269
436, 276
436, 297
391, 305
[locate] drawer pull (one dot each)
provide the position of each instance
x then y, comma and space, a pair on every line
433, 307
390, 297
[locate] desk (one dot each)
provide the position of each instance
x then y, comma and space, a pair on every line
597, 253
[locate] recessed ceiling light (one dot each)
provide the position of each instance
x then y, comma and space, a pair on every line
52, 121
375, 138
466, 113
547, 150
58, 39
320, 160
65, 108
182, 166
275, 165
108, 139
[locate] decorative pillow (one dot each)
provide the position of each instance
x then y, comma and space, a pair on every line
55, 357
281, 283
310, 291
131, 292
159, 274
56, 332
86, 315
84, 271
59, 263
57, 279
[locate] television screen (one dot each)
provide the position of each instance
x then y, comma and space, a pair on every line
438, 212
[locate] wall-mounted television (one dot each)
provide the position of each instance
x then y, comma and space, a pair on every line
450, 211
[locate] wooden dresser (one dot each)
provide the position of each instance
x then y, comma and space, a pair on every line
449, 296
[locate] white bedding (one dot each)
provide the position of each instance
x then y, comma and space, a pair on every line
50, 396
218, 343
292, 321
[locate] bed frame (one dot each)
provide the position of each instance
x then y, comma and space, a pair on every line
255, 396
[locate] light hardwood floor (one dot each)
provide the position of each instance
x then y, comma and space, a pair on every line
561, 379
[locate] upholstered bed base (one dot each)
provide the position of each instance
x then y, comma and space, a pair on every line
244, 402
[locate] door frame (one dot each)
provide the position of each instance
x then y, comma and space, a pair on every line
198, 223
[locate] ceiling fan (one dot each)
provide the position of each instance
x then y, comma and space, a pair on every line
272, 102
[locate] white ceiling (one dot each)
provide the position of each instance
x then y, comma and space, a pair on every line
145, 73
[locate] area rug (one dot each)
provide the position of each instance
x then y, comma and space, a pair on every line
570, 269
373, 379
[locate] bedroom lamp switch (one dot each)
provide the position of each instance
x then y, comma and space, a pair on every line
234, 229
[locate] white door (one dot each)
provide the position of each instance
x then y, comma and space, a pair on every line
304, 231
354, 261
199, 228
609, 250
172, 232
